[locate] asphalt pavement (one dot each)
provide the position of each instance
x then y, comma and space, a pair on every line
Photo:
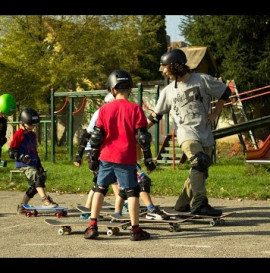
244, 234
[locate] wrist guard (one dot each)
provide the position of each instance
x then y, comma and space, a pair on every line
94, 163
148, 161
155, 119
79, 155
24, 159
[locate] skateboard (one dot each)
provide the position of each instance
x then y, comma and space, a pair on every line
113, 228
173, 223
86, 212
214, 220
32, 210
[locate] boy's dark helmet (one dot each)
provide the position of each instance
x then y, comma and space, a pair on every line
173, 56
119, 79
29, 116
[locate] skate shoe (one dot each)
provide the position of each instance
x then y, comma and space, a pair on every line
48, 202
156, 214
20, 209
206, 209
85, 216
91, 232
139, 235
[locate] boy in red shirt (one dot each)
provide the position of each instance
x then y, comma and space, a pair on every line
120, 125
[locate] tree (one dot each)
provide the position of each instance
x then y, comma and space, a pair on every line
241, 47
153, 45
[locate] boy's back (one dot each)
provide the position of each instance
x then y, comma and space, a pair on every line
120, 119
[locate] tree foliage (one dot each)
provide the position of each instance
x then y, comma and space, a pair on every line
78, 51
239, 43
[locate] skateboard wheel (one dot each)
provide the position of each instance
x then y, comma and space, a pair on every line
28, 214
109, 232
64, 213
171, 229
212, 223
61, 231
58, 214
124, 227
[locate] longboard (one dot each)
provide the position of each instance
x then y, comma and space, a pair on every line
214, 220
34, 210
113, 228
173, 223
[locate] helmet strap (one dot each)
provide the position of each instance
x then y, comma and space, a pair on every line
175, 83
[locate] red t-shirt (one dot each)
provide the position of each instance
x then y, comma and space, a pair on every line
120, 119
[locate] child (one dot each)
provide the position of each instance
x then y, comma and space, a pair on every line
153, 212
85, 146
113, 151
7, 108
23, 148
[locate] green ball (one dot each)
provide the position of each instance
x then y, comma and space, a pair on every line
7, 104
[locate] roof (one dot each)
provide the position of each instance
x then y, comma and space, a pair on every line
198, 55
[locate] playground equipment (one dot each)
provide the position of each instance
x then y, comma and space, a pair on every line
69, 102
169, 154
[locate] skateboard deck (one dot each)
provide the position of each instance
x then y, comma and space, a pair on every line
34, 210
113, 228
173, 223
214, 220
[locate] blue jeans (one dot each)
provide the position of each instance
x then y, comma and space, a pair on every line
109, 173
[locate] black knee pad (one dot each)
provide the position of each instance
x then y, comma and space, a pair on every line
133, 192
40, 179
204, 162
94, 187
145, 184
31, 192
102, 190
122, 193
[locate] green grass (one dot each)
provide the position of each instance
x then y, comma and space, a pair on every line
229, 177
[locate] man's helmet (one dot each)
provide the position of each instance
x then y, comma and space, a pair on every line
29, 116
109, 97
7, 104
173, 56
119, 79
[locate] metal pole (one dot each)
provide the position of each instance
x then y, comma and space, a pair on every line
52, 127
157, 124
70, 128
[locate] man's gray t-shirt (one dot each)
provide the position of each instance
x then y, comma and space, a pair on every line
189, 104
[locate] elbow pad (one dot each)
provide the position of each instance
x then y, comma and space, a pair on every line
84, 138
97, 137
13, 153
144, 138
225, 96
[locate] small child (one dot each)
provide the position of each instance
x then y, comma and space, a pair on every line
7, 108
84, 146
23, 148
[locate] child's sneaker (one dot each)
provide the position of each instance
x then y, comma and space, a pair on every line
20, 209
85, 216
156, 214
139, 234
91, 232
48, 202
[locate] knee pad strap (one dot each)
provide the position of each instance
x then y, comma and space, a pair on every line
102, 190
